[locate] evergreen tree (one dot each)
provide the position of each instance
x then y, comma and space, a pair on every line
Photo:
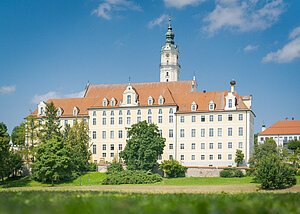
32, 128
239, 157
143, 147
51, 127
18, 136
4, 151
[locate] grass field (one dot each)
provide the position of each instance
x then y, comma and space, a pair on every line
111, 203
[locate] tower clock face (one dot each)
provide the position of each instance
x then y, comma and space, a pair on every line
167, 55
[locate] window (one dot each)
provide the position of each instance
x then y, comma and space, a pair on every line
120, 112
202, 157
211, 118
170, 157
104, 155
150, 101
66, 122
211, 157
202, 118
193, 133
94, 149
120, 134
181, 146
149, 111
171, 111
112, 102
193, 119
104, 113
128, 99
104, 147
85, 120
219, 132
59, 112
138, 119
193, 107
193, 157
160, 111
240, 131
240, 145
75, 111
159, 157
139, 112
112, 155
120, 120
112, 113
171, 146
240, 116
229, 117
160, 100
211, 132
202, 132
128, 120
219, 145
202, 145
211, 145
182, 119
112, 121
193, 146
94, 135
103, 134
112, 134
181, 132
170, 118
149, 119
230, 103
211, 106
181, 157
229, 156
74, 121
159, 119
94, 113
219, 118
94, 121
229, 145
103, 121
229, 131
120, 147
104, 102
171, 133
128, 112
112, 147
219, 156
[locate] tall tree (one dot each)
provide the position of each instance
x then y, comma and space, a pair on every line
143, 146
4, 151
239, 157
18, 135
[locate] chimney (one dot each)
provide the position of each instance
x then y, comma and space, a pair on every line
293, 118
232, 83
263, 128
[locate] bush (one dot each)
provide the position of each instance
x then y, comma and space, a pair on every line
250, 172
131, 177
114, 167
173, 168
273, 173
92, 167
231, 173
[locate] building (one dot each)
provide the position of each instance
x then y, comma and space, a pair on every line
282, 132
201, 128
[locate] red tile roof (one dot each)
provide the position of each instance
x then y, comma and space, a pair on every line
284, 127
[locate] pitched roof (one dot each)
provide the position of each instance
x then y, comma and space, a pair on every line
284, 127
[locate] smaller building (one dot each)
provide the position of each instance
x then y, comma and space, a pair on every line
282, 132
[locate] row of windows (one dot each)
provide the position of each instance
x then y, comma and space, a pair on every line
211, 118
284, 138
111, 134
202, 157
218, 145
128, 112
104, 147
211, 132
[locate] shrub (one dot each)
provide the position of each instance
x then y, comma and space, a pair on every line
131, 177
173, 168
92, 167
273, 173
250, 172
231, 173
114, 167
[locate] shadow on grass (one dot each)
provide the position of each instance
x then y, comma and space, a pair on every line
15, 182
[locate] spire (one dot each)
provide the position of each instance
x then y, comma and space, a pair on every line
170, 35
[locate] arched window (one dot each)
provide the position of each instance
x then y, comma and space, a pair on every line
113, 102
194, 106
161, 100
128, 99
59, 112
230, 103
150, 101
104, 102
75, 111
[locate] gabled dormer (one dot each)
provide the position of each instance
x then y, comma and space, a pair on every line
75, 111
113, 101
129, 97
150, 101
211, 106
59, 111
193, 106
161, 100
105, 102
41, 108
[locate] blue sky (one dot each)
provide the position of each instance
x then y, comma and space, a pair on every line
53, 48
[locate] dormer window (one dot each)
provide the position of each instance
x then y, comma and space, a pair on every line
75, 111
211, 106
161, 100
59, 112
150, 101
128, 99
194, 106
104, 102
113, 102
42, 111
230, 103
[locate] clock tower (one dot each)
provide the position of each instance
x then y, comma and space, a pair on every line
169, 66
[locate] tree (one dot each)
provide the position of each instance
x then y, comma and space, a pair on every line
4, 151
18, 136
173, 168
293, 145
239, 157
31, 136
143, 146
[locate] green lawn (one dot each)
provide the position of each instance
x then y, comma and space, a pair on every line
110, 203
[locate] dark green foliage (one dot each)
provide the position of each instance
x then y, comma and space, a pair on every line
131, 177
4, 151
231, 173
53, 162
173, 168
273, 173
114, 167
18, 136
92, 167
293, 145
143, 147
250, 172
239, 157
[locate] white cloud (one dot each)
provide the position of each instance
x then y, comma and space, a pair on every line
7, 89
243, 15
288, 52
250, 48
158, 21
182, 3
53, 94
108, 7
